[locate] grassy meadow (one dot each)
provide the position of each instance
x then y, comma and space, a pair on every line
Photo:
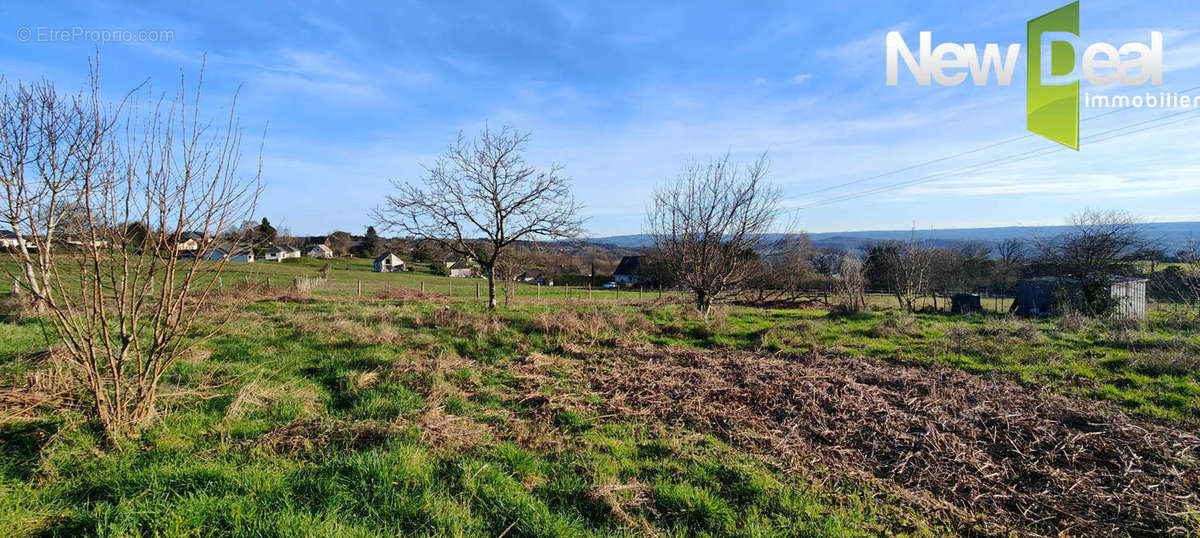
321, 413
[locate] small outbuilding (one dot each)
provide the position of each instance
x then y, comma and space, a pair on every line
965, 303
1045, 296
388, 263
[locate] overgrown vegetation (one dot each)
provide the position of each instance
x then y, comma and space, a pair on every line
414, 414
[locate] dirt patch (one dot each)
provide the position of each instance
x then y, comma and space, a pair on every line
997, 457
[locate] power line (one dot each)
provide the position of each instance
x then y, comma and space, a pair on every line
1010, 159
956, 155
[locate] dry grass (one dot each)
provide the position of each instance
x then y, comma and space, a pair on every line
896, 324
314, 434
259, 394
52, 384
1156, 362
994, 455
461, 322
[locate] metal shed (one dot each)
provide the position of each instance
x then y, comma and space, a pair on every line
1045, 296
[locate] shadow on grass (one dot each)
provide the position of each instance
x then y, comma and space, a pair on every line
20, 445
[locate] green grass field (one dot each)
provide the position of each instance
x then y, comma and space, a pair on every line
331, 415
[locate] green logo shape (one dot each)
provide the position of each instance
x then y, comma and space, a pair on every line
1053, 110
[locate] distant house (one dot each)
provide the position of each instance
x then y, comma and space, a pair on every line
190, 242
388, 263
460, 268
319, 251
8, 239
83, 240
279, 253
535, 277
232, 253
1044, 296
629, 271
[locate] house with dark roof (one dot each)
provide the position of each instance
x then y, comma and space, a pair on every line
8, 239
319, 251
461, 268
388, 263
535, 277
232, 253
279, 253
629, 271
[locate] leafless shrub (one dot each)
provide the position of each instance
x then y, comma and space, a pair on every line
1098, 245
852, 283
106, 194
904, 267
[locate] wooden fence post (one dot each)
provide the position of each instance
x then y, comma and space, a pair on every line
539, 290
477, 295
16, 286
618, 288
449, 288
220, 284
640, 291
359, 295
589, 291
422, 286
268, 282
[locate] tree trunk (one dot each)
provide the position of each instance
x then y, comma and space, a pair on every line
491, 287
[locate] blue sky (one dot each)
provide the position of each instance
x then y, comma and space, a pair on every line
623, 93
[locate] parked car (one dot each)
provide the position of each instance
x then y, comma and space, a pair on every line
610, 285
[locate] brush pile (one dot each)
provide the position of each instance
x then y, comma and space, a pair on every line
993, 455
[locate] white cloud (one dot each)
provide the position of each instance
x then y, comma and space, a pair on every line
802, 78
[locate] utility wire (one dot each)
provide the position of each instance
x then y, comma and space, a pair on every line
1010, 159
956, 155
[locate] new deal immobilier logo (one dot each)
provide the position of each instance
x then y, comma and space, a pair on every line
1052, 77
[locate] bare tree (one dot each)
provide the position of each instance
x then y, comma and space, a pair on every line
140, 176
480, 198
851, 280
1098, 242
1098, 245
709, 223
787, 272
902, 267
1010, 255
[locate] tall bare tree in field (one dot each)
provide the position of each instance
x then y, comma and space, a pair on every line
480, 198
709, 223
106, 197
